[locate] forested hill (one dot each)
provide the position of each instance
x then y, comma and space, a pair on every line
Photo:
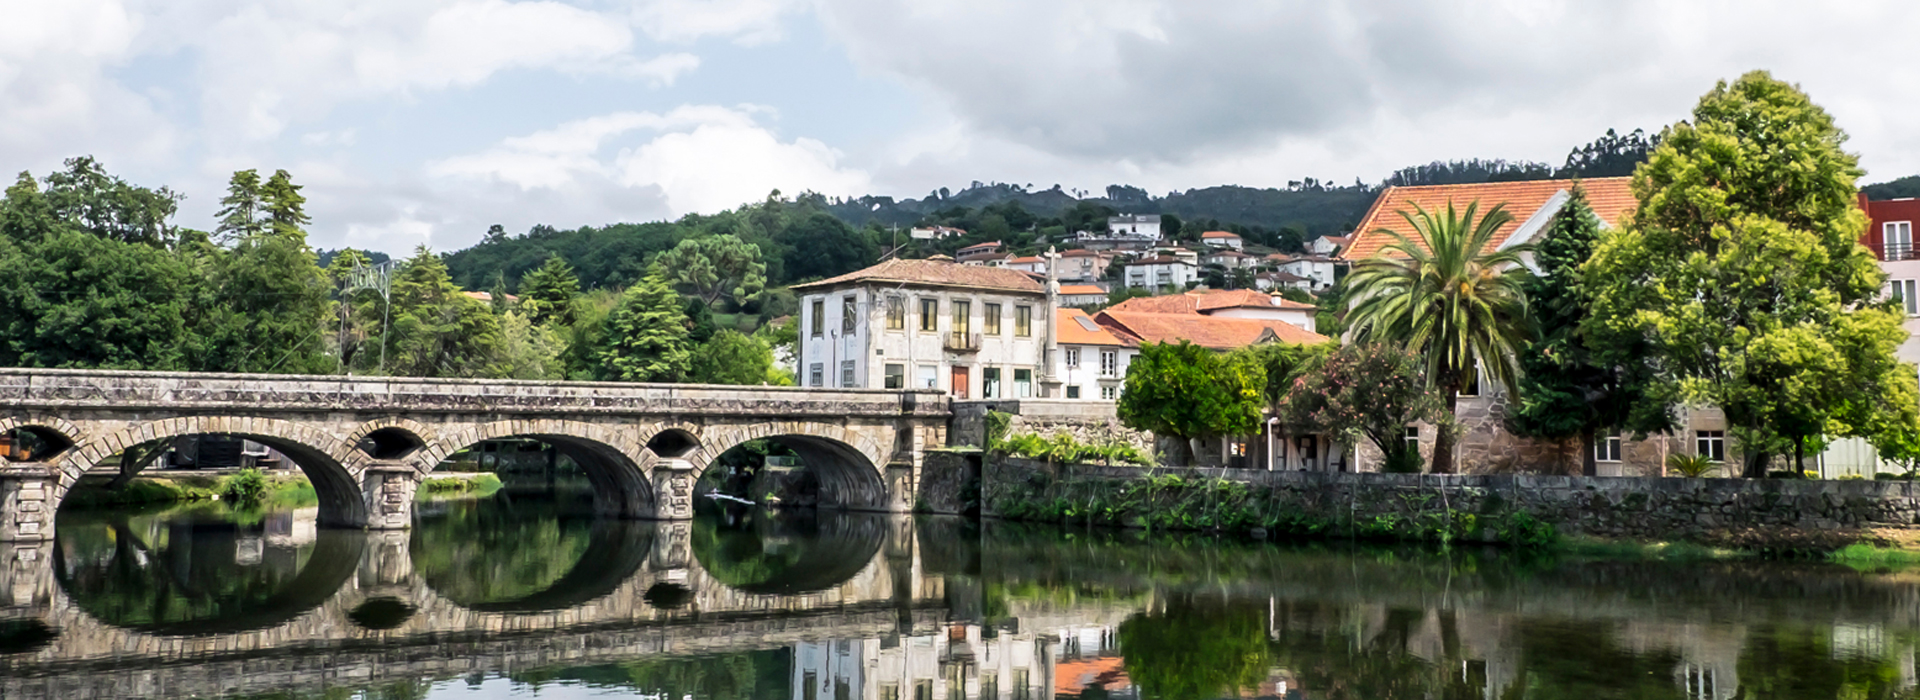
1310, 207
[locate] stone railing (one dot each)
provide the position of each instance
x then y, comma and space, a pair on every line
56, 390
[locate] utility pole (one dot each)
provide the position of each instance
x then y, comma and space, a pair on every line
377, 277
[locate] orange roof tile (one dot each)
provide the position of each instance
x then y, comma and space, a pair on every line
1069, 329
1200, 302
1027, 259
1610, 197
1218, 234
935, 273
1079, 289
1205, 331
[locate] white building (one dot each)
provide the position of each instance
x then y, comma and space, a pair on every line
1328, 245
1082, 295
1138, 226
1161, 272
1318, 270
976, 332
1092, 361
1230, 259
1223, 239
935, 232
1030, 263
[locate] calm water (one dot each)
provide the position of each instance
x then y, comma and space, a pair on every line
519, 598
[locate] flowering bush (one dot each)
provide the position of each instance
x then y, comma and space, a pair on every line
1371, 390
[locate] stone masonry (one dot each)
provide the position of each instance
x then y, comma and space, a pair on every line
367, 442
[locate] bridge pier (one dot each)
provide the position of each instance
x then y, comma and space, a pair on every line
26, 576
388, 489
27, 504
673, 489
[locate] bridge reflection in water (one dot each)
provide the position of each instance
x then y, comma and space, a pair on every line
510, 599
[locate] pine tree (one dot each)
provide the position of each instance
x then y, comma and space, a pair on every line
548, 294
646, 335
435, 330
285, 208
240, 210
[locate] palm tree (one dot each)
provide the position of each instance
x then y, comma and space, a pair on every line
1451, 296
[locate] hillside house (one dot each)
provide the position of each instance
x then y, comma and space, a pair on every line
1161, 272
1223, 239
1082, 295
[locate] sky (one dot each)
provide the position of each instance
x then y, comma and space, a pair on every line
422, 122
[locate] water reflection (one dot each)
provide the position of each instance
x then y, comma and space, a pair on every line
525, 598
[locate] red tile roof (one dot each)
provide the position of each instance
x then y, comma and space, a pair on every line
1069, 331
984, 257
1079, 253
934, 273
1027, 259
1159, 260
1080, 289
1205, 331
1218, 234
1610, 197
1199, 302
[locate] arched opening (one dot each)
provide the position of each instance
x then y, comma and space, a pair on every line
673, 443
193, 460
197, 574
793, 471
566, 469
32, 443
502, 555
788, 552
390, 443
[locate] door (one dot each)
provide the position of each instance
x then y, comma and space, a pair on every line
960, 383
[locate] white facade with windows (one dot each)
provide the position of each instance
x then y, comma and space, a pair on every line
1161, 273
891, 333
1092, 362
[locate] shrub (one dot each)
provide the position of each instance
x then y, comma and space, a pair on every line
1692, 466
1061, 447
998, 423
244, 488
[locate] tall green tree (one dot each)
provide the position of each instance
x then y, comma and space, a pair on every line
823, 246
285, 207
1449, 295
646, 335
87, 197
1190, 393
1739, 282
74, 299
716, 268
548, 294
25, 213
435, 330
731, 357
240, 215
1565, 393
272, 307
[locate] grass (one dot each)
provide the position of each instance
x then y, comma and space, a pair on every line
1869, 558
285, 491
477, 486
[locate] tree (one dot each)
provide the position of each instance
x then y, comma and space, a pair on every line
1170, 226
270, 310
86, 197
1450, 296
1611, 155
1739, 282
713, 268
822, 246
548, 293
1279, 365
646, 335
285, 208
732, 357
435, 330
1564, 392
1189, 392
529, 350
25, 213
1369, 390
240, 215
74, 299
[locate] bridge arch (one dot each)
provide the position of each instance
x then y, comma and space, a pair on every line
325, 458
55, 434
391, 438
846, 462
614, 462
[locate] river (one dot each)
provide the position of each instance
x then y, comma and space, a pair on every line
517, 597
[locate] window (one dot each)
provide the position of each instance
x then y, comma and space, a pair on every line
1711, 444
1907, 292
1108, 393
889, 692
929, 315
993, 319
1022, 383
989, 686
1413, 437
923, 690
990, 383
819, 323
815, 373
1020, 691
810, 686
1607, 448
896, 314
1073, 357
1898, 237
1023, 321
842, 690
929, 377
962, 318
1109, 363
848, 312
896, 376
1073, 392
846, 373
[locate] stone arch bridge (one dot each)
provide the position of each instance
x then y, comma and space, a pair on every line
366, 443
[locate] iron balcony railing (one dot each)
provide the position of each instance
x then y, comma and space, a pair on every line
1895, 251
962, 342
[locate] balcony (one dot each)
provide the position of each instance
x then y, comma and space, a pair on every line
962, 342
1895, 251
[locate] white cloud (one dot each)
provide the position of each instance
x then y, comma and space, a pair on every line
747, 22
702, 158
56, 97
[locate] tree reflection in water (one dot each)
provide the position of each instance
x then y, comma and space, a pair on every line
785, 552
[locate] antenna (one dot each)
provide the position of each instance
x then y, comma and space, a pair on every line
377, 277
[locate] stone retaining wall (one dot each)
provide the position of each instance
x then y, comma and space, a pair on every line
1632, 507
1090, 422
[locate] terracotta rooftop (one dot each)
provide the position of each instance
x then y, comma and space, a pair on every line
1027, 259
1218, 234
984, 257
1080, 289
1079, 253
1610, 197
935, 273
1075, 327
1206, 331
1198, 302
1159, 260
1228, 253
981, 246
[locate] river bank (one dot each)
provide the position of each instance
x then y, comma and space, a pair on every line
280, 489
